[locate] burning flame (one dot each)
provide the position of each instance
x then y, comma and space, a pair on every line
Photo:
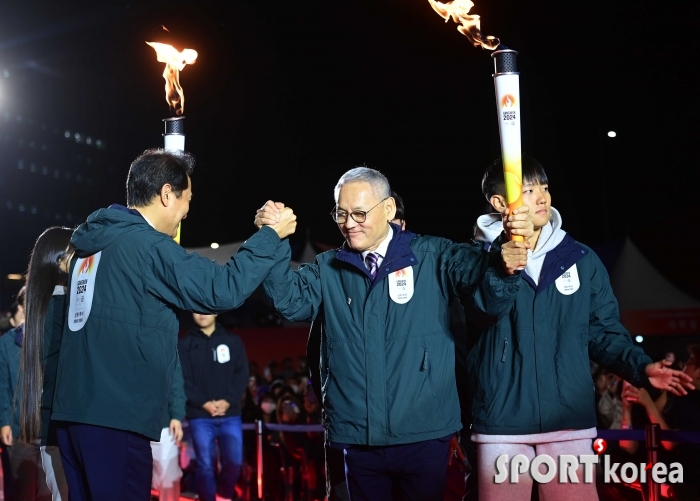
469, 24
174, 63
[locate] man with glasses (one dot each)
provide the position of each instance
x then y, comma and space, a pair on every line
383, 301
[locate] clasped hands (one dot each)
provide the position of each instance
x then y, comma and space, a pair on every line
216, 408
278, 217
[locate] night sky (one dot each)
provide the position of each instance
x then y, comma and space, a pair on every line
286, 96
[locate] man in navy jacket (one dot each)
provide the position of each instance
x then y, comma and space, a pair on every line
215, 370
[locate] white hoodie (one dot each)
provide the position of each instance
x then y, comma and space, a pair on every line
489, 226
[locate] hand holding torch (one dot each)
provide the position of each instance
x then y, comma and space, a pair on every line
507, 82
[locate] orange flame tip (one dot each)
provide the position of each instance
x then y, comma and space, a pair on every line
458, 10
174, 61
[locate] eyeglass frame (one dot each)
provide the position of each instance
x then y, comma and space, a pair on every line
334, 213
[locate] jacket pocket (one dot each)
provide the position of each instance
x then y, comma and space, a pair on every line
426, 367
420, 390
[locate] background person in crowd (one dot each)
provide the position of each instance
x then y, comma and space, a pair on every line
16, 318
674, 412
118, 354
215, 370
166, 452
529, 374
388, 362
607, 399
17, 310
37, 465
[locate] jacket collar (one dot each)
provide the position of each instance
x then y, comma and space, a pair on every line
398, 255
556, 262
19, 335
133, 212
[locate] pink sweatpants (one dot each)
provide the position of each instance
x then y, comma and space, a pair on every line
489, 490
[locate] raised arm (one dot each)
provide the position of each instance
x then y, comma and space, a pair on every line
194, 283
296, 295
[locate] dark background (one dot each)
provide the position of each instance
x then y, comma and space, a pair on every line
286, 96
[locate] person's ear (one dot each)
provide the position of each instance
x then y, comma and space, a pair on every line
499, 203
390, 207
166, 195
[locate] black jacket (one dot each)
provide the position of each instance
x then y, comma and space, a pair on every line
208, 375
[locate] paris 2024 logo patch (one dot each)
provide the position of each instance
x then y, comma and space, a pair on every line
82, 290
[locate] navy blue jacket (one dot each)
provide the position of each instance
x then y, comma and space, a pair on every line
530, 373
388, 368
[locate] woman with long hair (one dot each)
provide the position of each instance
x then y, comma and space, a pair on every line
47, 278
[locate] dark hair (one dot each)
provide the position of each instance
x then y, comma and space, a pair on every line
493, 182
400, 210
153, 169
43, 275
19, 301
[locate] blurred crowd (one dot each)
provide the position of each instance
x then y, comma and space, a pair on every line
621, 406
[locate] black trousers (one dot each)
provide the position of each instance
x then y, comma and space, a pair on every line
413, 472
104, 464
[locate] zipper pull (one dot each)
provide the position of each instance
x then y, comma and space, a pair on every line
505, 350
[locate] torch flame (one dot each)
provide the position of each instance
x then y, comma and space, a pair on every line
174, 63
469, 23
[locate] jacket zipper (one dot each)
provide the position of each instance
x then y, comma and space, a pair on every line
425, 358
505, 350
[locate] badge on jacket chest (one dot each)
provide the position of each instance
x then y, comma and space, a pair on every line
82, 290
568, 283
401, 285
223, 354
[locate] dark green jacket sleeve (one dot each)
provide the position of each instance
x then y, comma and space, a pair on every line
176, 403
194, 283
609, 343
296, 295
479, 274
6, 392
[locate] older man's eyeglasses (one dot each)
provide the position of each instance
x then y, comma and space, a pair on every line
359, 216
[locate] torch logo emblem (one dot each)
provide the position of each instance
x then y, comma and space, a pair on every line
508, 101
86, 265
401, 273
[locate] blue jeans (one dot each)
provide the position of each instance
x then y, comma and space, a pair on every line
228, 433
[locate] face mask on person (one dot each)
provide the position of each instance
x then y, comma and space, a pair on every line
268, 407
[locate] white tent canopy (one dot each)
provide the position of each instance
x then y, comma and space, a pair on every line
639, 286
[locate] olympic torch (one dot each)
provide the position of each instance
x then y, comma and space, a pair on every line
175, 61
507, 82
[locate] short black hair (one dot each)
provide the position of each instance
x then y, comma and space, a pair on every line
153, 169
399, 206
493, 182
